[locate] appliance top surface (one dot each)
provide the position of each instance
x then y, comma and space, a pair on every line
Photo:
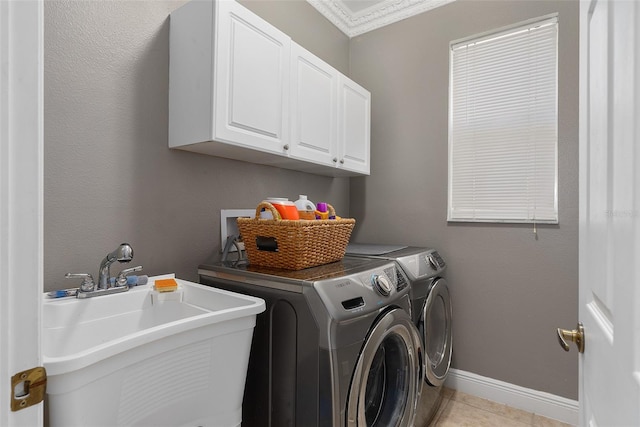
346, 266
417, 262
372, 249
384, 251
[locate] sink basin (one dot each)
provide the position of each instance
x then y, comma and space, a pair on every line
148, 358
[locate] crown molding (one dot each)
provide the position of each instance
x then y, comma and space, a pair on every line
384, 13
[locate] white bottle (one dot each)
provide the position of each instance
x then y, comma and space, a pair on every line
306, 208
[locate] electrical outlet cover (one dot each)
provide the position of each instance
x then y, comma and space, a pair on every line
229, 226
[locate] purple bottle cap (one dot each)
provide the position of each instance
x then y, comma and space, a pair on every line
321, 207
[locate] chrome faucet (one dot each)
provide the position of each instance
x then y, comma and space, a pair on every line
88, 289
123, 253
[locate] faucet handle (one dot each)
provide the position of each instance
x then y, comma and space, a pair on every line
121, 280
87, 285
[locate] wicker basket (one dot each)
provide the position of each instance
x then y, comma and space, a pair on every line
294, 244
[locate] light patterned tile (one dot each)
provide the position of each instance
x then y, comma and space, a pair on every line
447, 392
441, 409
458, 414
494, 407
540, 421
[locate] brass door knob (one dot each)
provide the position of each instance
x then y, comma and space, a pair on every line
576, 335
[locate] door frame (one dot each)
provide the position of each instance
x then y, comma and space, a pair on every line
21, 199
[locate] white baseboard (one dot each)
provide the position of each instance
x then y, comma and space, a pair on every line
539, 402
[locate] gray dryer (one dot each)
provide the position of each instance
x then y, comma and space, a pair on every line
431, 313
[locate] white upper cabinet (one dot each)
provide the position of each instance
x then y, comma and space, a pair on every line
252, 80
240, 88
229, 80
314, 108
330, 116
354, 126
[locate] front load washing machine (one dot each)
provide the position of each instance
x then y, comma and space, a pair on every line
336, 345
431, 313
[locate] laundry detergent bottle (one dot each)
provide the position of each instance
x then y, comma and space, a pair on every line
306, 208
286, 208
322, 211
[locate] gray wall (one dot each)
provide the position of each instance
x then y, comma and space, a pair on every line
510, 289
109, 176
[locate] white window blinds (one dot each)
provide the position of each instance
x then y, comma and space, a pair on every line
503, 126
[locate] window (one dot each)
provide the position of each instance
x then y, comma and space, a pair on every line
503, 125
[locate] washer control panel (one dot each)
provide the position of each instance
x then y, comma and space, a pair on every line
435, 261
363, 292
423, 264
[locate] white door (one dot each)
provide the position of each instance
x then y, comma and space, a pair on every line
610, 212
252, 80
354, 126
314, 89
21, 169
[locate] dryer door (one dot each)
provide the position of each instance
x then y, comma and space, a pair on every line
388, 376
435, 328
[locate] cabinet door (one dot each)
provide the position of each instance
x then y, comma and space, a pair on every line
354, 126
314, 89
252, 80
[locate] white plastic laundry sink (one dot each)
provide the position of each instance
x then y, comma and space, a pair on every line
146, 358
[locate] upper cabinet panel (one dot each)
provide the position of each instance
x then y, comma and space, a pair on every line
354, 131
314, 113
252, 70
240, 88
191, 47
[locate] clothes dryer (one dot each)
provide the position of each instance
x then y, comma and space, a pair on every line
431, 313
336, 345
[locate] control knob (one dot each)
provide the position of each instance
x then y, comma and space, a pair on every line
381, 284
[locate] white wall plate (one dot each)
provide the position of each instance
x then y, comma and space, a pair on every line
229, 226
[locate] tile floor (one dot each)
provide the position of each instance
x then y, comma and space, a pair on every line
460, 409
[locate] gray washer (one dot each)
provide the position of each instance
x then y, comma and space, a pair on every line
431, 313
336, 345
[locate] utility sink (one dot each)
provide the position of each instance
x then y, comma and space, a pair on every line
147, 358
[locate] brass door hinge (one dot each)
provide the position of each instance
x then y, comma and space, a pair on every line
28, 388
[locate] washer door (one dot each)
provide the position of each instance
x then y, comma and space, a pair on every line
387, 379
435, 328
